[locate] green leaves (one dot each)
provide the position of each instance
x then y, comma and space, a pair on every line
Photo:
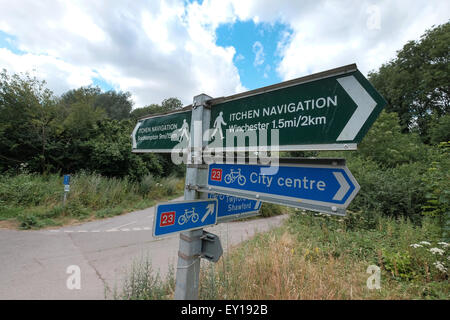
416, 83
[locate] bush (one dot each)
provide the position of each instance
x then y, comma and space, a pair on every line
388, 147
142, 284
270, 209
396, 192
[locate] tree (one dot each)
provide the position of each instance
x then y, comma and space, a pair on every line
440, 131
416, 83
116, 104
167, 105
27, 121
385, 144
110, 152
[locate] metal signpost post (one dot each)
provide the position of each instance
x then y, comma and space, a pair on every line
188, 268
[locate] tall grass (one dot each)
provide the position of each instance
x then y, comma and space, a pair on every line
34, 201
315, 256
142, 283
322, 257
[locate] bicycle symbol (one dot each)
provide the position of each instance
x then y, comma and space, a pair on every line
233, 175
188, 215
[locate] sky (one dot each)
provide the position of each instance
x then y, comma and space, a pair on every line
177, 48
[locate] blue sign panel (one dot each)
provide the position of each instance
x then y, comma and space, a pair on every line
67, 179
172, 217
234, 206
316, 187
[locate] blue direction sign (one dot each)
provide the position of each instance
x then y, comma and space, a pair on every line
324, 188
172, 217
230, 207
66, 179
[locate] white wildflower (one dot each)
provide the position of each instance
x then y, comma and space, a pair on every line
444, 244
415, 245
425, 242
440, 267
437, 250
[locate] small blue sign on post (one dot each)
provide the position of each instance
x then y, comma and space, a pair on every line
317, 187
173, 217
66, 182
230, 207
66, 179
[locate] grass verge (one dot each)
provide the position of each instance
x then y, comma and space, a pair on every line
315, 256
32, 201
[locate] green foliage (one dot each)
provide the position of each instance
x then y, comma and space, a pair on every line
394, 192
437, 189
416, 82
35, 201
385, 144
440, 131
407, 252
270, 209
167, 105
84, 129
141, 283
399, 264
27, 121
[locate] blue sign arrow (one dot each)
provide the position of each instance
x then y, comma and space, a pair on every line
324, 188
233, 207
172, 217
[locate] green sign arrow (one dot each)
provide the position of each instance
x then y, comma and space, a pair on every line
162, 133
331, 110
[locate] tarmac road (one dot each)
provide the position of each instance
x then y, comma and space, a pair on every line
33, 264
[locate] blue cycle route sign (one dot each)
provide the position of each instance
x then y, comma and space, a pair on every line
66, 179
316, 187
230, 207
173, 217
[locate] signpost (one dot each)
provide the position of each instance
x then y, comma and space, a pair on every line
162, 133
174, 217
331, 110
326, 187
230, 207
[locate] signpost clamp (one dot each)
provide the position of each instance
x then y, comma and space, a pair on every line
211, 247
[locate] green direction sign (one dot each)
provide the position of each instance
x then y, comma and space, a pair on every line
162, 133
331, 110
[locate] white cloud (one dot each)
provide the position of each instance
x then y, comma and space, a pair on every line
339, 33
258, 50
160, 49
155, 50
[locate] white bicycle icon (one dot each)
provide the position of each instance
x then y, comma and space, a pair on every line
233, 175
188, 215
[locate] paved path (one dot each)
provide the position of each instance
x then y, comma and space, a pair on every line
33, 264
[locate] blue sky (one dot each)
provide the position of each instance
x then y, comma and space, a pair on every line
181, 48
256, 50
8, 41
